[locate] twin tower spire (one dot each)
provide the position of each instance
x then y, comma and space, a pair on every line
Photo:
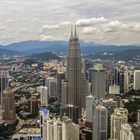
73, 33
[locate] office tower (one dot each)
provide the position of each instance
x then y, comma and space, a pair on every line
119, 117
54, 130
90, 74
58, 130
126, 133
136, 79
89, 108
51, 83
98, 81
71, 111
50, 130
3, 83
34, 105
136, 128
60, 77
70, 131
99, 121
114, 90
126, 81
9, 114
64, 93
138, 116
43, 90
121, 81
116, 76
109, 80
110, 104
76, 82
44, 116
1, 113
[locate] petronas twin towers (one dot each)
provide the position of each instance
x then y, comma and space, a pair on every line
74, 70
77, 85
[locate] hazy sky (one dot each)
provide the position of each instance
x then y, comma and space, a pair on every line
99, 21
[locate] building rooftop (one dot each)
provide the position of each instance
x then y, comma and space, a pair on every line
44, 110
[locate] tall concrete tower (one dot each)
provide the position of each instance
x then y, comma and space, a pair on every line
74, 71
98, 81
9, 114
3, 84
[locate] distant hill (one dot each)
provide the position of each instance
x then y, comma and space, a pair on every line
34, 46
129, 54
45, 56
5, 52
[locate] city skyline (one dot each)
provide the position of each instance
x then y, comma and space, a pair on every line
105, 22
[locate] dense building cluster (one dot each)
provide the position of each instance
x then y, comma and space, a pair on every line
69, 99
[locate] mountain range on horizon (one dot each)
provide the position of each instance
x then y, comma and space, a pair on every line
35, 46
60, 48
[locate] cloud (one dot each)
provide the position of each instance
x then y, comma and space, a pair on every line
2, 28
108, 26
46, 37
56, 26
100, 21
89, 22
90, 30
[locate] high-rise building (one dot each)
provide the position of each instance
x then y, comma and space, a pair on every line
89, 108
110, 104
58, 130
75, 79
1, 114
44, 117
119, 117
34, 105
71, 111
136, 128
43, 90
51, 83
3, 83
70, 131
98, 81
126, 133
75, 86
137, 79
126, 81
9, 110
99, 121
60, 77
64, 93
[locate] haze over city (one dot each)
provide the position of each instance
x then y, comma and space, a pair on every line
98, 21
69, 70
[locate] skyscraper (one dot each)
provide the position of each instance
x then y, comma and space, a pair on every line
137, 79
3, 83
89, 108
74, 71
136, 127
77, 85
9, 114
43, 90
60, 77
70, 131
98, 81
125, 133
99, 121
119, 117
51, 83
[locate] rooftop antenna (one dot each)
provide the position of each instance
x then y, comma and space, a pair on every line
71, 30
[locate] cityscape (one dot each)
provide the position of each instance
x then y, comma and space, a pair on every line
84, 85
